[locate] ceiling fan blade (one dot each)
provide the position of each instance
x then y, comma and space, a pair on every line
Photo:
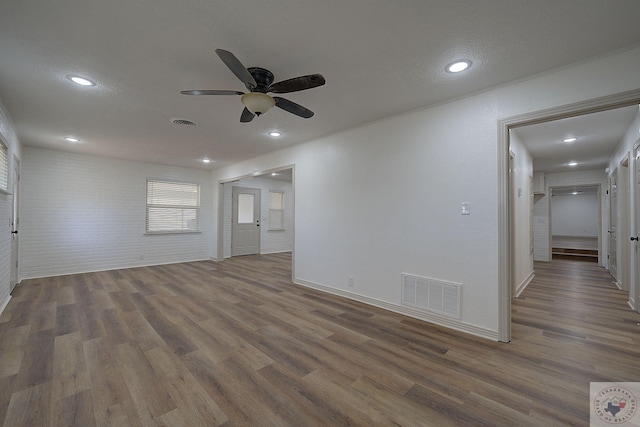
237, 68
297, 83
246, 116
211, 92
293, 108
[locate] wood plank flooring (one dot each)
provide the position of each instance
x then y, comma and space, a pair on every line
236, 344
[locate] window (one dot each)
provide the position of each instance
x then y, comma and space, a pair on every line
172, 207
276, 210
4, 168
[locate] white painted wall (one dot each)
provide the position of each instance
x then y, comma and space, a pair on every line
271, 241
632, 136
9, 137
575, 215
522, 175
85, 213
383, 199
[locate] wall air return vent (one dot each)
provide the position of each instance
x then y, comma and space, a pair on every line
436, 296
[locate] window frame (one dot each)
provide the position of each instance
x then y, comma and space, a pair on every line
281, 211
4, 168
195, 208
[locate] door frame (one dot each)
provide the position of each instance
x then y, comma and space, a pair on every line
624, 258
634, 273
221, 210
14, 270
609, 102
614, 221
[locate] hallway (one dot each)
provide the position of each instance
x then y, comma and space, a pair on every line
573, 311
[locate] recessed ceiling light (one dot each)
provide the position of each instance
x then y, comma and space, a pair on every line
275, 133
572, 163
274, 174
72, 139
570, 139
458, 66
81, 81
206, 160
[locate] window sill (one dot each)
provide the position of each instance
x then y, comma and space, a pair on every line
163, 233
5, 192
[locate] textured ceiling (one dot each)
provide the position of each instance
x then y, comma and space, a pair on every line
379, 58
598, 135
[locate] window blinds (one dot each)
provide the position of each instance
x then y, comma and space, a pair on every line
172, 207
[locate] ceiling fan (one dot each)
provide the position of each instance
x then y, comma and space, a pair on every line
259, 82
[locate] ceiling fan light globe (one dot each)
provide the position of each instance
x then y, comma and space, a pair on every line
258, 103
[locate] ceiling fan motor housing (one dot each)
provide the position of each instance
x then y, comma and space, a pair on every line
263, 78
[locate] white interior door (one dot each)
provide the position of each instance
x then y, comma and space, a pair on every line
245, 221
635, 288
624, 228
15, 222
613, 224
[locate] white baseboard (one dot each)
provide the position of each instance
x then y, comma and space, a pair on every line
407, 311
124, 267
275, 252
522, 286
632, 304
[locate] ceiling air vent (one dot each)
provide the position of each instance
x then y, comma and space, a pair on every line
183, 122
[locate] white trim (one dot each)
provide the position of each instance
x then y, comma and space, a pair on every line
522, 286
126, 267
571, 110
276, 252
445, 321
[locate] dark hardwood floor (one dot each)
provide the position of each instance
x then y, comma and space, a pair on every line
236, 344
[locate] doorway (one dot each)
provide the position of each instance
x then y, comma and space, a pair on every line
277, 220
625, 261
613, 225
634, 291
15, 222
576, 223
245, 221
505, 252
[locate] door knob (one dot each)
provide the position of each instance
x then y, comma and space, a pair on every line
14, 232
634, 238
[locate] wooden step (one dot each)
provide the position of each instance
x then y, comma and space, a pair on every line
570, 253
579, 252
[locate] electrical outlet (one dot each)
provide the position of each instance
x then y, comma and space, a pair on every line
351, 282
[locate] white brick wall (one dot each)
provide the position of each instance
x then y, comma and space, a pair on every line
9, 137
270, 241
541, 225
84, 213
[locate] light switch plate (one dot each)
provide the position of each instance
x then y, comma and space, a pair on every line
466, 208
